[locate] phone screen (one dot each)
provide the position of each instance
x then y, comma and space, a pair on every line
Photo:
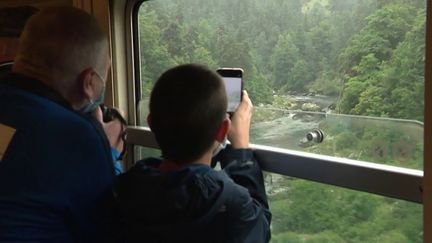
233, 87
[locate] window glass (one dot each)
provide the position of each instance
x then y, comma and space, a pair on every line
305, 211
349, 70
343, 78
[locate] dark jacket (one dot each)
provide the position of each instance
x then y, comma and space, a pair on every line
56, 174
196, 203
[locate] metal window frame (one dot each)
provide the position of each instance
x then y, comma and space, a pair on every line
385, 180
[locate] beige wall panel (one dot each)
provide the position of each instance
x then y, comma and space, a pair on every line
427, 181
100, 9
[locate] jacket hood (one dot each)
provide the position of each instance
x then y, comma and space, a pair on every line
172, 202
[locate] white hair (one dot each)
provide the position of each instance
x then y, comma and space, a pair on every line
61, 42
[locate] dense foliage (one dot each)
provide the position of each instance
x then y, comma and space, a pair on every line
368, 54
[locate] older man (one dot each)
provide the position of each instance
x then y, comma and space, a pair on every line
56, 166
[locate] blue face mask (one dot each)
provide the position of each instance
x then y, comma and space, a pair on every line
94, 104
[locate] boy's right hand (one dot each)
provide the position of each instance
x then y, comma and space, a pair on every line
238, 134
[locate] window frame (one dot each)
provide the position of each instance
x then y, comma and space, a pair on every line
389, 181
385, 180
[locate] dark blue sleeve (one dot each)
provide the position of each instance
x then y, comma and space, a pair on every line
251, 206
91, 212
57, 176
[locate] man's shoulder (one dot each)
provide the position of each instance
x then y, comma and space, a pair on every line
25, 99
39, 121
23, 104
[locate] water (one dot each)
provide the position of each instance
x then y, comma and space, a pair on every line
287, 128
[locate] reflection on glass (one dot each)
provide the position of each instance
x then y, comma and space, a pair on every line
381, 140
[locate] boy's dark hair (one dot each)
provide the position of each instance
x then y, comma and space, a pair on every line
187, 105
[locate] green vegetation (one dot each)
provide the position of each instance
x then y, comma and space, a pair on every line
384, 64
368, 54
312, 212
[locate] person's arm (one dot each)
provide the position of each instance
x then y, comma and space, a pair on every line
239, 163
90, 214
250, 212
241, 166
114, 130
237, 160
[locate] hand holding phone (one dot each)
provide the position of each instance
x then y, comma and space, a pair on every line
238, 134
114, 125
233, 79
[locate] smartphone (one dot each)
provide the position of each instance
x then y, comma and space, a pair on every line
233, 79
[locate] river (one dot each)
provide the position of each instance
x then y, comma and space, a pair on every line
287, 128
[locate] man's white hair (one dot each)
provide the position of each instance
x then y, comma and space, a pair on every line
61, 42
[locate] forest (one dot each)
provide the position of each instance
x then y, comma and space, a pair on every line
366, 55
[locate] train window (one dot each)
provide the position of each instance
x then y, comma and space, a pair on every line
343, 78
340, 78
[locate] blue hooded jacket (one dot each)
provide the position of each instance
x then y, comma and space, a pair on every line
196, 203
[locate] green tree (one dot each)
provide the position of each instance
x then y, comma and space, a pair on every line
384, 65
155, 58
384, 30
258, 87
203, 56
284, 57
405, 74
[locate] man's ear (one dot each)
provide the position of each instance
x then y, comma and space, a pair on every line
223, 130
86, 83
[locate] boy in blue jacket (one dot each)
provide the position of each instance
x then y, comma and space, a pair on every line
181, 198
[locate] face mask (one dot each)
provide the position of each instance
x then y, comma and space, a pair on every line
220, 147
94, 104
